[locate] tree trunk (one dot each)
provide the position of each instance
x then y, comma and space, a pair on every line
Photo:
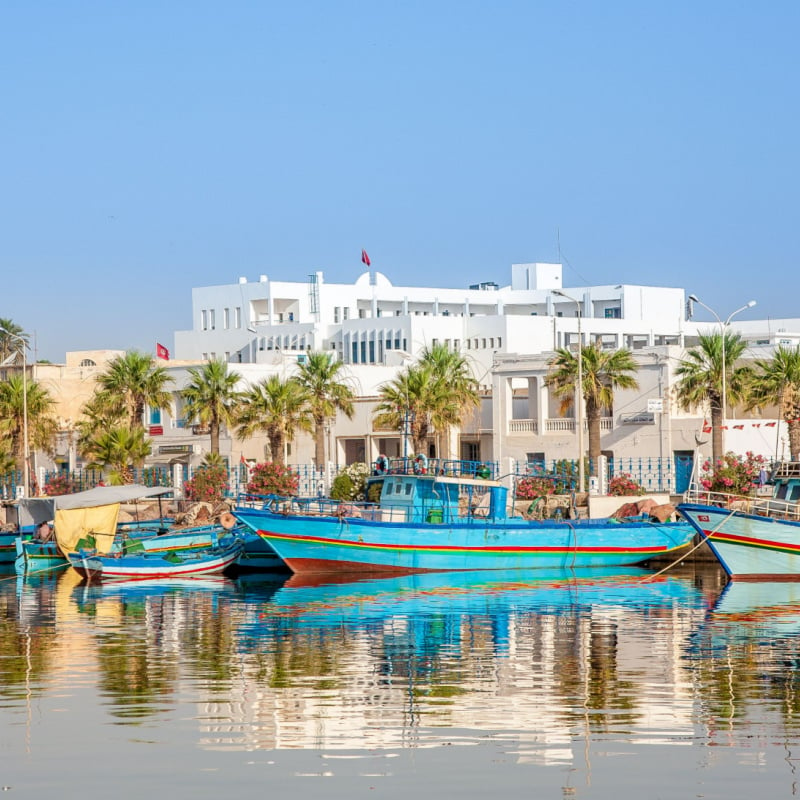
794, 439
593, 425
276, 448
319, 442
717, 439
214, 428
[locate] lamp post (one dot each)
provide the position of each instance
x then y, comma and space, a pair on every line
579, 401
26, 455
723, 327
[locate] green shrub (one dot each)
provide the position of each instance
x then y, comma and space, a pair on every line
350, 483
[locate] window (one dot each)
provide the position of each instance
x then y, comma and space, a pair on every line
499, 341
613, 313
336, 313
345, 313
212, 319
435, 342
87, 362
155, 416
408, 488
456, 344
204, 320
226, 318
362, 313
237, 317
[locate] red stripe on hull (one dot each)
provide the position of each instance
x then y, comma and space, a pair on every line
305, 565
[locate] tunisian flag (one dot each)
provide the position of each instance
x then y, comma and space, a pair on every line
162, 352
365, 258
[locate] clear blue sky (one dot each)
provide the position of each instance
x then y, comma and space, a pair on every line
149, 147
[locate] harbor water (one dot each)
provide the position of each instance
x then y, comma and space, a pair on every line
582, 684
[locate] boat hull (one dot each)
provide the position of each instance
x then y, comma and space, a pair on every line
325, 544
748, 546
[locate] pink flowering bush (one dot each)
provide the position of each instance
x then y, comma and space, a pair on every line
209, 483
732, 474
60, 483
531, 488
272, 478
624, 485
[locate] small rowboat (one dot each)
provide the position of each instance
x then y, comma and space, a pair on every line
143, 565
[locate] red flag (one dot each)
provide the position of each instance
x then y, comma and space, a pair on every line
365, 258
770, 424
738, 427
162, 352
242, 459
706, 426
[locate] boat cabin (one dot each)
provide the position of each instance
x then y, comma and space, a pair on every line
442, 492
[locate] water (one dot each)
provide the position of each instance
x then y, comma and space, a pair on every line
595, 684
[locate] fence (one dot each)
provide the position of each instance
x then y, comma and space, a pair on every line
654, 475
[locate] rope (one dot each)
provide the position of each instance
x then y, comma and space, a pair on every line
702, 541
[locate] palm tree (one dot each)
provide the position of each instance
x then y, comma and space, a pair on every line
278, 408
12, 339
457, 391
132, 382
603, 372
327, 395
701, 379
211, 397
777, 381
408, 403
120, 449
42, 424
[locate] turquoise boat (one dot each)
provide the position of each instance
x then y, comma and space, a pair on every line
446, 517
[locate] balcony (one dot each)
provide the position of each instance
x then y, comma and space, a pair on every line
523, 426
569, 425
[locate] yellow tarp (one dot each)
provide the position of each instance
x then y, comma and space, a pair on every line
74, 524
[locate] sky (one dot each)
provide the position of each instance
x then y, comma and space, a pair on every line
147, 148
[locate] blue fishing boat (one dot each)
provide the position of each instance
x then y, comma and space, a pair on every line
445, 516
144, 565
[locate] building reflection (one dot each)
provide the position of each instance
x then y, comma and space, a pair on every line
543, 662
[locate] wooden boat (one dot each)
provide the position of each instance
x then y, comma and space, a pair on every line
144, 565
754, 538
446, 517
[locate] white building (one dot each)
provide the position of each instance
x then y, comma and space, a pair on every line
372, 322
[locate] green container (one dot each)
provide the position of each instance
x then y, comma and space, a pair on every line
435, 516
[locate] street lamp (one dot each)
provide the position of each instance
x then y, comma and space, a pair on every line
26, 455
723, 327
581, 480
